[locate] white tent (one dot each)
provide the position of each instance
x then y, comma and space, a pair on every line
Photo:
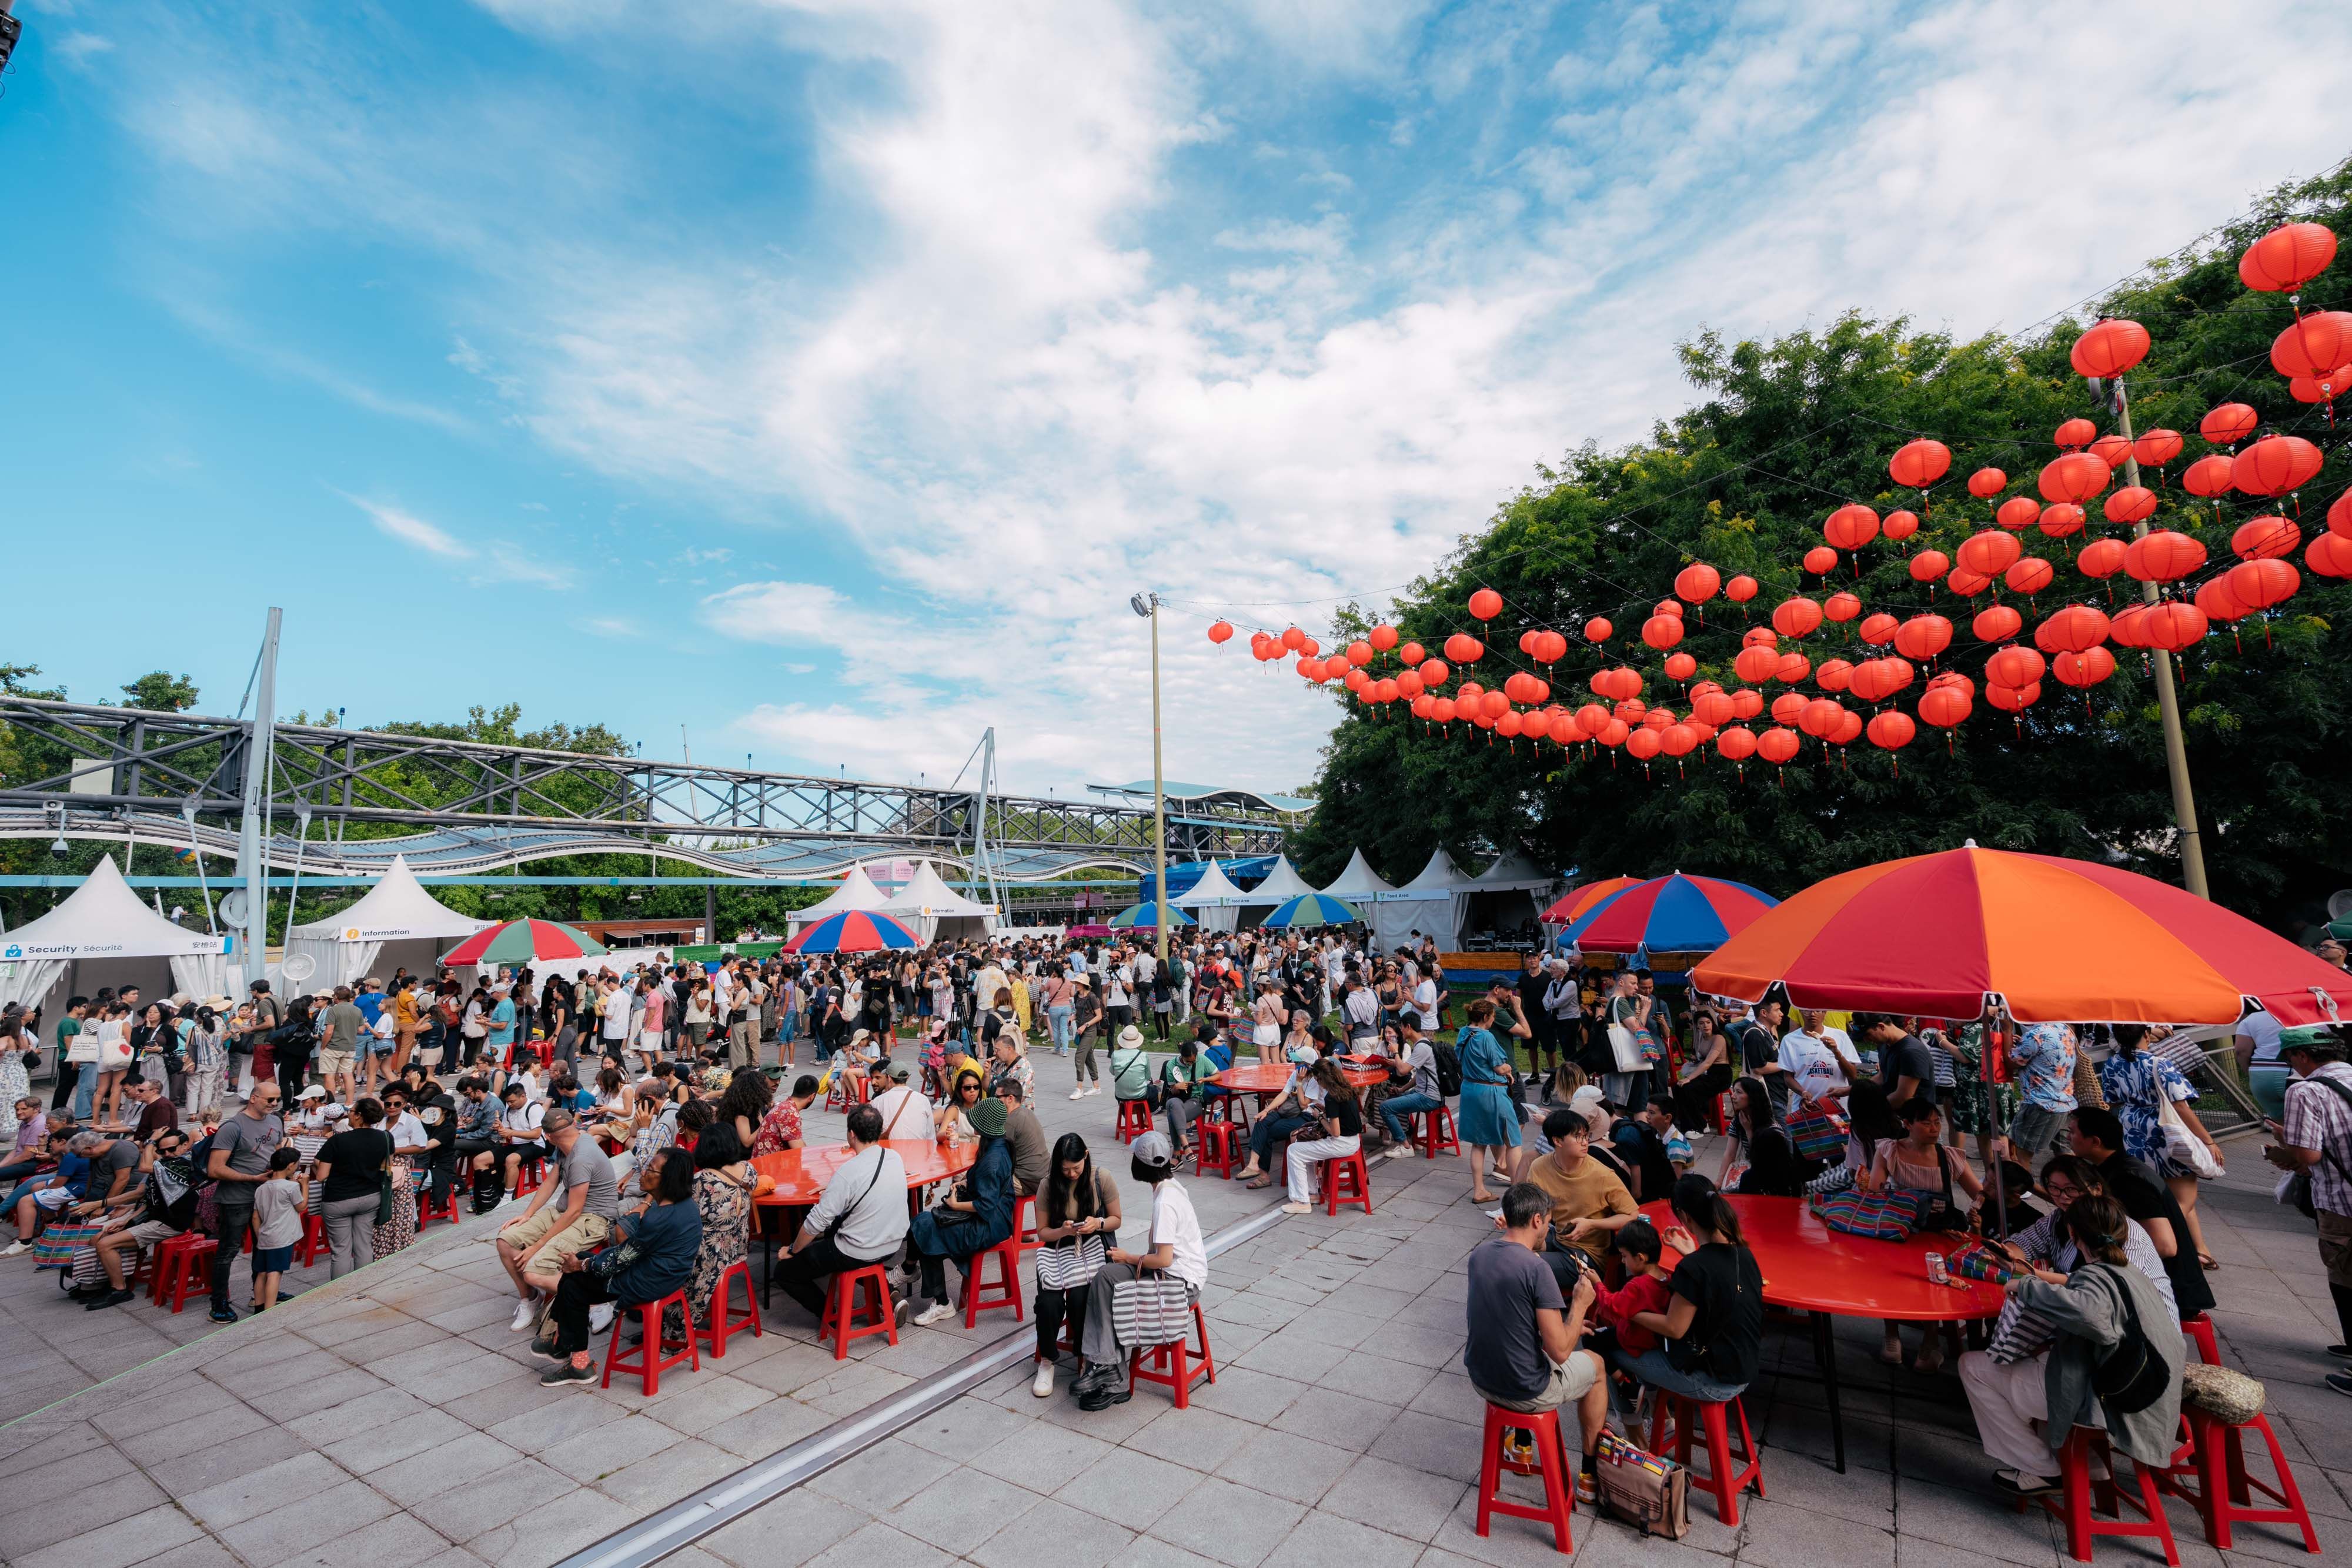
1282, 885
1431, 904
856, 892
396, 923
935, 910
1213, 901
102, 936
1359, 881
1507, 894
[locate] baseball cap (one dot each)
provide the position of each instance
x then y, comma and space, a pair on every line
316, 1091
1152, 1149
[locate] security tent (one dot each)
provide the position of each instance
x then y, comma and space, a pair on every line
101, 936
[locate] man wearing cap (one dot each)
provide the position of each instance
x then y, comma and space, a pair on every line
1172, 1244
905, 1111
2317, 1140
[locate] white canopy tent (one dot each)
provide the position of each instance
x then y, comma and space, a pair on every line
1431, 904
1360, 882
1282, 885
102, 936
396, 923
935, 910
1213, 901
856, 892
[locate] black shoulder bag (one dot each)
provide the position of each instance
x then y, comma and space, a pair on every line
2130, 1377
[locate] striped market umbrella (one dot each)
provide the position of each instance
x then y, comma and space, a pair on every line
1145, 916
2053, 940
1577, 900
854, 930
1313, 909
524, 942
1674, 913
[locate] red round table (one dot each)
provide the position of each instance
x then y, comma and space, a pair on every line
1809, 1267
800, 1176
1266, 1079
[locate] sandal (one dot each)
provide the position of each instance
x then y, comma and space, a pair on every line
1260, 1183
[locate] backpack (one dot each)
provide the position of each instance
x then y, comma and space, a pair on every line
1448, 1064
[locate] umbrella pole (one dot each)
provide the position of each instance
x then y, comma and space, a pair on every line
1984, 1078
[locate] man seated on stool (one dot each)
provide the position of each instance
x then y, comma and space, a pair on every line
860, 1221
1522, 1353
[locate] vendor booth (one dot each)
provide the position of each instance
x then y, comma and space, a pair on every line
1430, 905
937, 912
101, 936
395, 925
1505, 902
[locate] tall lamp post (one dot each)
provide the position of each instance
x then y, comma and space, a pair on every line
1148, 606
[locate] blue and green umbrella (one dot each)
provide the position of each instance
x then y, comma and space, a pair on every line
1146, 917
1314, 909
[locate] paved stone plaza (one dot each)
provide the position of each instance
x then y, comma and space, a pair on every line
392, 1417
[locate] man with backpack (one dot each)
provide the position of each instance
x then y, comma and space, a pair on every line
2316, 1142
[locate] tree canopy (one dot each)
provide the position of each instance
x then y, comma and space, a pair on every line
1790, 429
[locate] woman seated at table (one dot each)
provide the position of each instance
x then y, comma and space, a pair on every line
951, 1122
666, 1237
745, 1104
1917, 1164
1714, 1320
1774, 1167
2049, 1242
1077, 1213
724, 1188
2104, 1305
616, 1101
974, 1217
1339, 1128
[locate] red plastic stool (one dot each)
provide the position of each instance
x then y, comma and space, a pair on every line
527, 1178
1551, 1464
2078, 1489
649, 1361
188, 1271
1024, 1222
314, 1239
1165, 1365
160, 1256
1433, 1131
2217, 1485
1725, 1481
2198, 1331
1344, 1181
724, 1322
844, 1309
981, 1297
426, 1212
1223, 1136
1134, 1119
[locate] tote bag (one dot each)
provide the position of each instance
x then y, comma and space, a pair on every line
1149, 1309
1068, 1266
1817, 1132
1882, 1216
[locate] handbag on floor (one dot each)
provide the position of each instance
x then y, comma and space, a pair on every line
1647, 1491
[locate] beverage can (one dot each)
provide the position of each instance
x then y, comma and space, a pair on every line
1935, 1272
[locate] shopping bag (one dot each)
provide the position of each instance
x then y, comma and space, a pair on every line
1975, 1261
1884, 1216
1817, 1132
58, 1243
1149, 1309
1647, 1491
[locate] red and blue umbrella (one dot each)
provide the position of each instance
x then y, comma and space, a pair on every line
854, 930
1674, 913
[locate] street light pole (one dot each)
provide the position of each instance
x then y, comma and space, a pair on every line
1148, 606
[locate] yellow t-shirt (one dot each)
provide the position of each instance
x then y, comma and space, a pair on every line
1592, 1192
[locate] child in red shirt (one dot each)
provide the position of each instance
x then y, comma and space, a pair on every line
1644, 1290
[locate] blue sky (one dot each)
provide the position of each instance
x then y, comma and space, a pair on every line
823, 377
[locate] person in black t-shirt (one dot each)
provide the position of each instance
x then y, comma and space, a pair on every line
1714, 1320
2097, 1134
1337, 1123
1905, 1068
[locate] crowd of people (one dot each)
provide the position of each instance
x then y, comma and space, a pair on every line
614, 1121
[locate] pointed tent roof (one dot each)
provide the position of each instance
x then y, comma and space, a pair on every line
1214, 888
856, 892
1282, 885
926, 894
1439, 875
103, 918
1358, 880
394, 908
1512, 870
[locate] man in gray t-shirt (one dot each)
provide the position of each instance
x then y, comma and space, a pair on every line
239, 1163
587, 1166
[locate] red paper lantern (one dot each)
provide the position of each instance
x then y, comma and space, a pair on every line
1672, 607
1359, 652
2111, 449
1944, 706
2321, 388
1678, 739
1851, 527
1736, 745
2029, 575
1657, 719
2071, 630
1756, 665
1790, 707
2314, 344
1464, 649
1967, 583
1697, 582
2075, 476
1929, 565
2109, 348
1740, 589
2209, 476
1485, 604
2017, 512
1550, 647
1412, 653
1714, 708
1988, 554
1494, 704
2015, 665
2073, 433
1841, 607
2287, 258
2215, 598
1508, 724
1598, 630
1900, 525
2259, 584
2163, 557
1796, 617
1891, 730
1920, 464
2228, 424
2129, 627
1923, 637
2156, 447
2101, 558
1443, 710
2061, 519
1661, 632
1778, 745
2172, 625
2132, 504
1681, 666
1821, 718
1834, 676
1820, 559
2276, 464
1849, 730
1760, 637
1293, 639
1408, 685
1644, 744
1878, 629
2013, 699
1434, 673
1746, 704
1998, 624
2330, 554
1592, 719
1987, 483
2339, 515
1221, 631
1381, 637
1385, 690
2265, 539
1794, 668
2087, 668
1310, 669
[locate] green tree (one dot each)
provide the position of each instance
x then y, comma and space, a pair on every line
1790, 429
162, 692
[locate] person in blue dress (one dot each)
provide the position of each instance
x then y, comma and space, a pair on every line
970, 1220
1490, 1121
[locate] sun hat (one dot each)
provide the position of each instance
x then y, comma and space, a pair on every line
1130, 1036
987, 1118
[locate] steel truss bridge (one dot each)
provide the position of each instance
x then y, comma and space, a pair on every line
100, 772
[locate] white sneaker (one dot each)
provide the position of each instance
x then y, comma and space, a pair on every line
1095, 1089
1077, 1093
527, 1313
15, 1246
1042, 1385
600, 1317
933, 1314
1399, 1152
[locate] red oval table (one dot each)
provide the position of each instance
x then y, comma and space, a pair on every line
1807, 1267
1266, 1079
800, 1176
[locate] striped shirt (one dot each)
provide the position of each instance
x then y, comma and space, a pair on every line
2321, 1118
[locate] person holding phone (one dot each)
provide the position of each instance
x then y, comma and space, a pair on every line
1078, 1214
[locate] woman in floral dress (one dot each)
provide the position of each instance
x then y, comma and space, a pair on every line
724, 1185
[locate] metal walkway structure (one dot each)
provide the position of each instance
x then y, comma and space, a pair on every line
100, 772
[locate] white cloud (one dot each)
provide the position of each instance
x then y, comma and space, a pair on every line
493, 561
78, 49
791, 614
411, 530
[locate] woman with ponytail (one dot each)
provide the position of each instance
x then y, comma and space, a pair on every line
1714, 1320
